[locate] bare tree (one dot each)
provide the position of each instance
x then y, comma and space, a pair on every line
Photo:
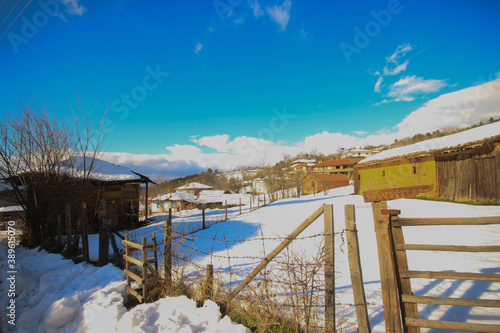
47, 162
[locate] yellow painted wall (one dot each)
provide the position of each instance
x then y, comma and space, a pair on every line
397, 174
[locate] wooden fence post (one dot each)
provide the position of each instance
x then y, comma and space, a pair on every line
264, 199
85, 236
408, 310
59, 227
103, 234
355, 268
144, 268
69, 236
167, 241
390, 294
203, 216
209, 283
329, 269
127, 263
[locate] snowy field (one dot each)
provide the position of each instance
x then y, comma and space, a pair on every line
57, 295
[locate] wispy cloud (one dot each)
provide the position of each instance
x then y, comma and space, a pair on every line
406, 88
410, 86
74, 7
198, 48
257, 11
280, 14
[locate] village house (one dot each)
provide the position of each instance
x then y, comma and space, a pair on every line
314, 183
343, 167
193, 188
12, 213
177, 201
118, 186
302, 161
462, 167
303, 167
356, 152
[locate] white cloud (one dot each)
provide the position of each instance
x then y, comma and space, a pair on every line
398, 69
198, 48
378, 84
459, 108
407, 87
401, 50
280, 14
74, 7
257, 11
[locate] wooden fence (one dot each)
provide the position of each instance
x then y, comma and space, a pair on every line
148, 275
400, 304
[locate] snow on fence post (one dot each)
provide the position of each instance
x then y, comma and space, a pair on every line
329, 269
355, 268
167, 241
390, 294
69, 237
85, 236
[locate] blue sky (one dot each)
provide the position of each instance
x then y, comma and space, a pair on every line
194, 84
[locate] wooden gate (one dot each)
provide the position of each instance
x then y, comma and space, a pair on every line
395, 274
148, 274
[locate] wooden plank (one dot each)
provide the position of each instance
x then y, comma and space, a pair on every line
390, 295
451, 275
391, 211
395, 193
404, 285
275, 252
486, 303
355, 269
127, 263
452, 326
144, 270
329, 269
133, 260
151, 248
132, 244
453, 248
134, 293
422, 221
133, 276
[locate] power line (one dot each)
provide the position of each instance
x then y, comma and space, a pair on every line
15, 18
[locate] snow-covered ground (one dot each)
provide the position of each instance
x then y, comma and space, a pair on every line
53, 292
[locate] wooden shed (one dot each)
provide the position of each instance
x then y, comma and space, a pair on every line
314, 183
461, 167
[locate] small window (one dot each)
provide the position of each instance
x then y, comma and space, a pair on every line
359, 177
414, 170
383, 173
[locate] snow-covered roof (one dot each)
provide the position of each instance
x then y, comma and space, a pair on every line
450, 141
303, 161
9, 209
211, 193
177, 196
194, 185
101, 170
